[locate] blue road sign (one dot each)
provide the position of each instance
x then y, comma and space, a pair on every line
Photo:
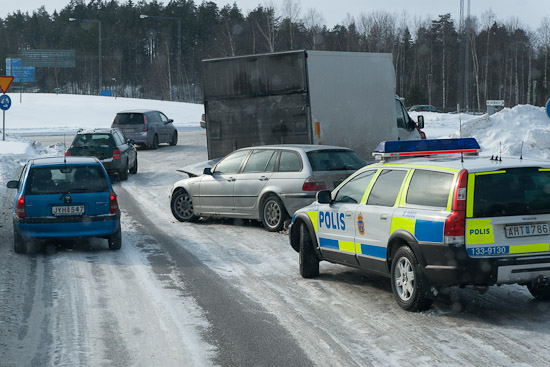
5, 102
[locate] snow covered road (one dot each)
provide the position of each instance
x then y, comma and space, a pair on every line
229, 293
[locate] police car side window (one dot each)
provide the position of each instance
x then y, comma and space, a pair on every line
429, 188
386, 188
354, 189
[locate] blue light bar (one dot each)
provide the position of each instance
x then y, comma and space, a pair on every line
407, 148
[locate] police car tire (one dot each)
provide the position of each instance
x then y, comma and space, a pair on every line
540, 292
418, 299
181, 205
115, 240
270, 205
19, 245
309, 263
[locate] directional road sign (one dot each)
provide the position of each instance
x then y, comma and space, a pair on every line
5, 82
5, 102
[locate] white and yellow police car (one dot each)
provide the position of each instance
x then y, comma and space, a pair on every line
435, 220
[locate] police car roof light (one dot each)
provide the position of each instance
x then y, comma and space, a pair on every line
407, 148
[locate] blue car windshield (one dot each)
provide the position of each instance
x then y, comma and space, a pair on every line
64, 179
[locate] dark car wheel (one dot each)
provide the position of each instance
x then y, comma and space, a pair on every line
309, 263
273, 214
134, 168
19, 245
155, 143
540, 291
409, 285
123, 173
182, 207
115, 240
174, 140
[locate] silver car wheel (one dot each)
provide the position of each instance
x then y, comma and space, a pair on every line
182, 206
272, 213
404, 279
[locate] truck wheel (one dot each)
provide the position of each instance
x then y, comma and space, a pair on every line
309, 263
174, 140
19, 245
123, 173
155, 144
408, 283
182, 207
539, 291
134, 168
115, 240
273, 214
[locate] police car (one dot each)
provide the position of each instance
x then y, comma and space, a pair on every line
446, 217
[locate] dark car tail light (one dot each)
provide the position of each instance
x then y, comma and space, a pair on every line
114, 203
311, 185
116, 154
145, 128
20, 207
68, 153
455, 224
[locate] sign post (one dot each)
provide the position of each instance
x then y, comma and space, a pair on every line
5, 100
491, 104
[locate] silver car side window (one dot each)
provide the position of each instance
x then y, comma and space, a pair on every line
258, 160
231, 163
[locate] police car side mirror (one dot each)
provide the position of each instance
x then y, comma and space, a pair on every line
420, 122
324, 197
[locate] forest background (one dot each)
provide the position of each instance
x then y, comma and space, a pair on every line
443, 62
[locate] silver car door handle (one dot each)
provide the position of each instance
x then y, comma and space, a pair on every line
384, 216
349, 214
231, 179
263, 178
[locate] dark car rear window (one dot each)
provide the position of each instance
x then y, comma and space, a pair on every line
517, 191
128, 119
335, 160
93, 140
64, 179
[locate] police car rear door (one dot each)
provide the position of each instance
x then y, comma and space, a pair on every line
337, 223
374, 218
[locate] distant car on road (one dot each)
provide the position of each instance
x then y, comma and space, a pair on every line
203, 121
110, 146
146, 127
69, 197
423, 108
267, 183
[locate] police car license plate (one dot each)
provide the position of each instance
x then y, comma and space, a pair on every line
526, 230
68, 210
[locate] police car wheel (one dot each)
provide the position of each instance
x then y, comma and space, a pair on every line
539, 291
409, 284
309, 263
182, 207
273, 214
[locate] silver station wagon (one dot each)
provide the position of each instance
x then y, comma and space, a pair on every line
267, 183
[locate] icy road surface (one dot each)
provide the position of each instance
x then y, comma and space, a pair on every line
229, 293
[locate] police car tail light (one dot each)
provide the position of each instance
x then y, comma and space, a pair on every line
20, 207
311, 185
455, 225
116, 154
114, 203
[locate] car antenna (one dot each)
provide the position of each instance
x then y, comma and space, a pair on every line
521, 151
500, 152
65, 152
460, 133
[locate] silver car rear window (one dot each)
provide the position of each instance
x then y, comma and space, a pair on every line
335, 160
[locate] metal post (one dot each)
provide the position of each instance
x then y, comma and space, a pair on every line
99, 24
180, 77
4, 125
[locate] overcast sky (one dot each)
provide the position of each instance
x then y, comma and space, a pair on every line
529, 12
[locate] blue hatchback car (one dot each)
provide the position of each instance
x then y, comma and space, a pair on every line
64, 197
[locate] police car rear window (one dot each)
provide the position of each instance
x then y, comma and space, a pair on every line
519, 191
429, 188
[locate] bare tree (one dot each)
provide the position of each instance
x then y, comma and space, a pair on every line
488, 19
313, 23
544, 41
268, 25
291, 13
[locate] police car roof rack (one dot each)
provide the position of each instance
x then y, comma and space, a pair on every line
388, 150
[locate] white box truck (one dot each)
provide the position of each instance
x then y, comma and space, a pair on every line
303, 97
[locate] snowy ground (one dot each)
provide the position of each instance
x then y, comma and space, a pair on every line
342, 318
